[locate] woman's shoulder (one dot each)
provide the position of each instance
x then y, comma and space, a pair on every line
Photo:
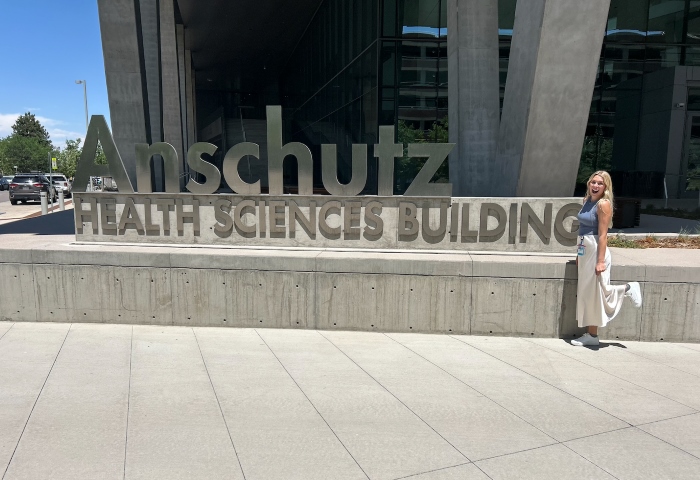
604, 205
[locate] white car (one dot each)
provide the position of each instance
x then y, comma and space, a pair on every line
61, 183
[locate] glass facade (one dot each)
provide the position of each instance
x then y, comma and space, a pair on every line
330, 85
642, 38
365, 63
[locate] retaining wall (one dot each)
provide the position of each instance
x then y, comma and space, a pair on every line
52, 279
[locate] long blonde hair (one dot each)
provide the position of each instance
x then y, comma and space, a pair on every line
607, 193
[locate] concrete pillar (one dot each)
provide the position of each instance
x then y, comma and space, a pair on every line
180, 31
122, 59
170, 80
473, 96
151, 52
189, 98
553, 63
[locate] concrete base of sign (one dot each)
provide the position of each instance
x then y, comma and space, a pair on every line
57, 280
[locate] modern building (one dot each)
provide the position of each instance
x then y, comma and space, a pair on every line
535, 94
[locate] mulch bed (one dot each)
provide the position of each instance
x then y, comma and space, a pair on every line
681, 241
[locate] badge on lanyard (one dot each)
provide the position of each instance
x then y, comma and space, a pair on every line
581, 248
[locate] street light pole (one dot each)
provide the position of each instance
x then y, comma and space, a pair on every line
84, 82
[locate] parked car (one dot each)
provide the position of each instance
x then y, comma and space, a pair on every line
28, 186
4, 184
61, 183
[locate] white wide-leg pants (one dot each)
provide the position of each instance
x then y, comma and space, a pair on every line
597, 302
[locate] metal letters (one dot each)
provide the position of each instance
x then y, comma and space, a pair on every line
231, 161
276, 152
386, 151
347, 221
329, 171
436, 153
199, 165
86, 168
171, 167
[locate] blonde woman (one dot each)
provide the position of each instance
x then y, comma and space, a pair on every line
598, 302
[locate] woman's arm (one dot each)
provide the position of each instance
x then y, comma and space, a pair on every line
604, 215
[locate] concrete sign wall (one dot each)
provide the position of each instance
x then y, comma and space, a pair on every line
439, 223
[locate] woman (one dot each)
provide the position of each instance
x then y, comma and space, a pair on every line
598, 302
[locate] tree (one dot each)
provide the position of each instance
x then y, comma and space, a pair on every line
28, 126
26, 153
67, 159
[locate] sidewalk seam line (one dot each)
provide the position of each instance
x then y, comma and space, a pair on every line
311, 403
128, 399
392, 394
668, 443
436, 470
35, 402
695, 410
216, 396
542, 381
5, 332
476, 390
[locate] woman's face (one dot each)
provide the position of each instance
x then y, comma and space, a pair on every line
596, 187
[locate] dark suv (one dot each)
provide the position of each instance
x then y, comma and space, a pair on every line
28, 186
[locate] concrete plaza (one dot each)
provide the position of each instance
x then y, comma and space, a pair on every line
87, 401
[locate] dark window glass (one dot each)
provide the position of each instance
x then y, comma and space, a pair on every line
693, 35
692, 56
388, 64
659, 57
627, 21
694, 99
443, 18
506, 17
389, 20
691, 170
665, 21
419, 18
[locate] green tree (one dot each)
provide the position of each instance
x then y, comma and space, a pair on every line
67, 159
28, 126
27, 153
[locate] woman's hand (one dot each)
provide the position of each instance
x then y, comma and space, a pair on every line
599, 268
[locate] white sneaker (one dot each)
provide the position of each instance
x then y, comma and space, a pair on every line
635, 294
586, 340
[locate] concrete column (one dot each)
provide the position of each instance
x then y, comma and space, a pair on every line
553, 63
473, 97
170, 80
120, 47
180, 31
151, 52
189, 98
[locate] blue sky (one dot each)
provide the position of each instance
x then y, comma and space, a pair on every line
45, 46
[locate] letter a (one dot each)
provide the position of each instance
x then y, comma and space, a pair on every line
86, 168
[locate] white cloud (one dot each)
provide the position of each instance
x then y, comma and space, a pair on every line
6, 122
58, 135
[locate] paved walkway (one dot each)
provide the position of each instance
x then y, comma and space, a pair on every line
115, 401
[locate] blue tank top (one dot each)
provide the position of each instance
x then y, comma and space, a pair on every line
588, 219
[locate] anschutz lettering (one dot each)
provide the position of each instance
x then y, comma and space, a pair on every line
386, 151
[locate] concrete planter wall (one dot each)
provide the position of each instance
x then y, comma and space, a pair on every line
405, 292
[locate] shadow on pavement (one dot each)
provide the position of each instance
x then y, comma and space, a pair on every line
57, 223
598, 347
